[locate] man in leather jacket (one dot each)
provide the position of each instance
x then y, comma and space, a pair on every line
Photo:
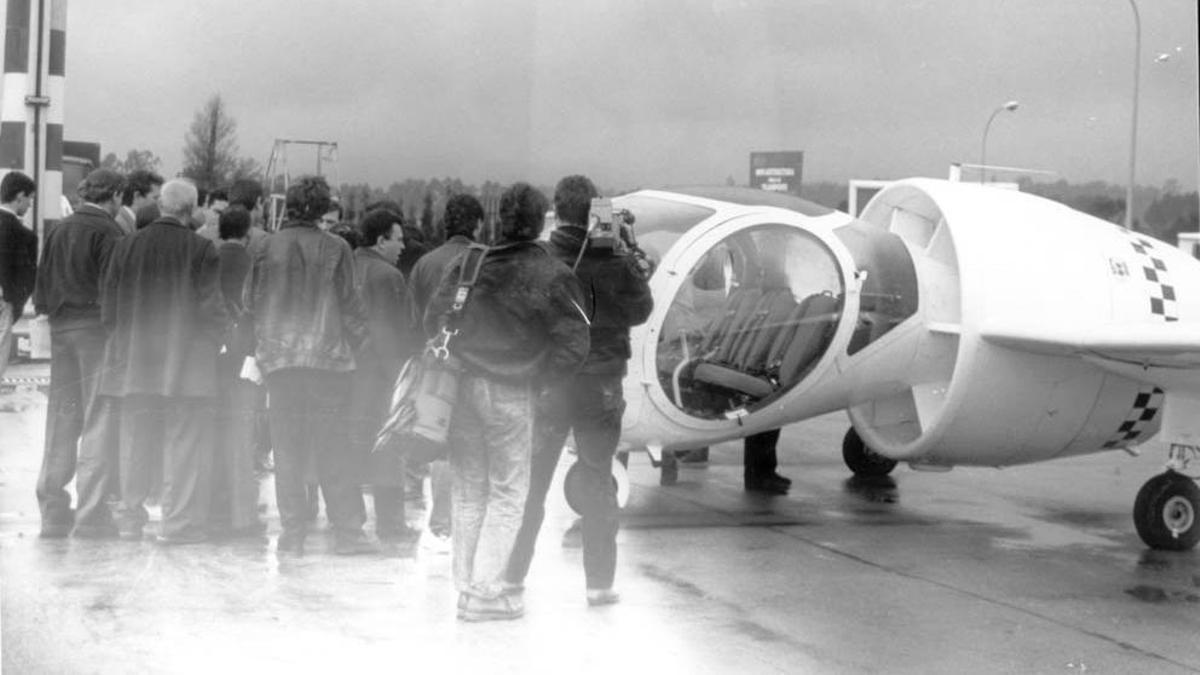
590, 403
308, 321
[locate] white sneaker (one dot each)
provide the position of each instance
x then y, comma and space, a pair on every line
435, 543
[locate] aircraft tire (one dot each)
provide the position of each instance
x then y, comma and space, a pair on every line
1167, 512
862, 460
571, 487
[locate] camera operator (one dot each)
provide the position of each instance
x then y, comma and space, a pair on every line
592, 402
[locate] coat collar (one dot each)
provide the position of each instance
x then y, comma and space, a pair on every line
368, 252
169, 220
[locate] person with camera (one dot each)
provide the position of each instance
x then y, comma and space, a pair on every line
519, 326
590, 403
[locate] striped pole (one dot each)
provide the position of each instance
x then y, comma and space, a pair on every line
31, 99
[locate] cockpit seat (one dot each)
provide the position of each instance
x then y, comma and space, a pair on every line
771, 348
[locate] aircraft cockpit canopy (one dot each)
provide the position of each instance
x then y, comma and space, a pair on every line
750, 321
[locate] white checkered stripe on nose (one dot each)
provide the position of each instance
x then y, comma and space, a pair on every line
1146, 407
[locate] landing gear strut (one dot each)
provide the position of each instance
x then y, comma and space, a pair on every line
862, 460
1167, 509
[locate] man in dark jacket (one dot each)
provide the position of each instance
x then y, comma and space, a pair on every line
234, 508
308, 321
591, 402
391, 340
522, 323
78, 418
163, 309
18, 255
462, 217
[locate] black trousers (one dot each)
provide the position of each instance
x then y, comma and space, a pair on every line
592, 406
758, 455
307, 410
81, 432
370, 401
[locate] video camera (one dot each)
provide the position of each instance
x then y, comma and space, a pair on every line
611, 230
608, 228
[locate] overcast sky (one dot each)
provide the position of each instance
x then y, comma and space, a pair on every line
646, 92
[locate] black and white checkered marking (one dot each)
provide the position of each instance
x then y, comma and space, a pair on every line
1146, 407
1161, 290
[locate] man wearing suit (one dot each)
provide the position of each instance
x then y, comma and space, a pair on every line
80, 423
391, 340
166, 317
18, 256
142, 188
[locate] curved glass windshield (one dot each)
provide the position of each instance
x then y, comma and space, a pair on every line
749, 322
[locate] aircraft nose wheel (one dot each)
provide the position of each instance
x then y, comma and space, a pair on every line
862, 460
1167, 512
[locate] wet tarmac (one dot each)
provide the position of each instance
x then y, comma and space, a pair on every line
1026, 570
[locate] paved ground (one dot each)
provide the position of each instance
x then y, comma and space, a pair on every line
1028, 570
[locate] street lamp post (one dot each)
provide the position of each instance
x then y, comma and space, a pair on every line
1010, 107
1137, 56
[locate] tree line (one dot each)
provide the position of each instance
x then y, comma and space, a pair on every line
211, 158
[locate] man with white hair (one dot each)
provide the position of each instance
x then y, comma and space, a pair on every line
162, 305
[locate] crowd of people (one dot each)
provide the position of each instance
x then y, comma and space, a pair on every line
177, 322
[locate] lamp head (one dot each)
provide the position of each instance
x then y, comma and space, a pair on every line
1012, 105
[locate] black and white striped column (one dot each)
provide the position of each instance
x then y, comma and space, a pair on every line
31, 98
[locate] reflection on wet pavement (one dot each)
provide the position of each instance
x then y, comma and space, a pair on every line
1027, 570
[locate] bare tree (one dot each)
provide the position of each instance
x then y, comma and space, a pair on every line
134, 160
210, 147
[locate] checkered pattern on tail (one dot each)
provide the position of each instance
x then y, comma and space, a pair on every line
1146, 407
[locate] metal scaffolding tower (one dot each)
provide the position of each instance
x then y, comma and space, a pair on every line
277, 171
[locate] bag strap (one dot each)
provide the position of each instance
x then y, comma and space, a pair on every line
465, 285
440, 345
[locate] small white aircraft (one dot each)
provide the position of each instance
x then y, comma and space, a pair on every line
957, 324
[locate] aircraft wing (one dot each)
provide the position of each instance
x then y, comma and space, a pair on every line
1173, 346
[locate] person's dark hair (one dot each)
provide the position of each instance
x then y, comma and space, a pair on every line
522, 213
389, 204
219, 193
201, 197
308, 198
146, 215
573, 198
335, 205
14, 185
140, 182
245, 192
463, 213
101, 185
376, 224
348, 233
234, 222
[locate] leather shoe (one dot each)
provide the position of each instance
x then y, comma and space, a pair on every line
56, 530
181, 540
773, 484
501, 608
290, 545
602, 596
95, 531
354, 544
